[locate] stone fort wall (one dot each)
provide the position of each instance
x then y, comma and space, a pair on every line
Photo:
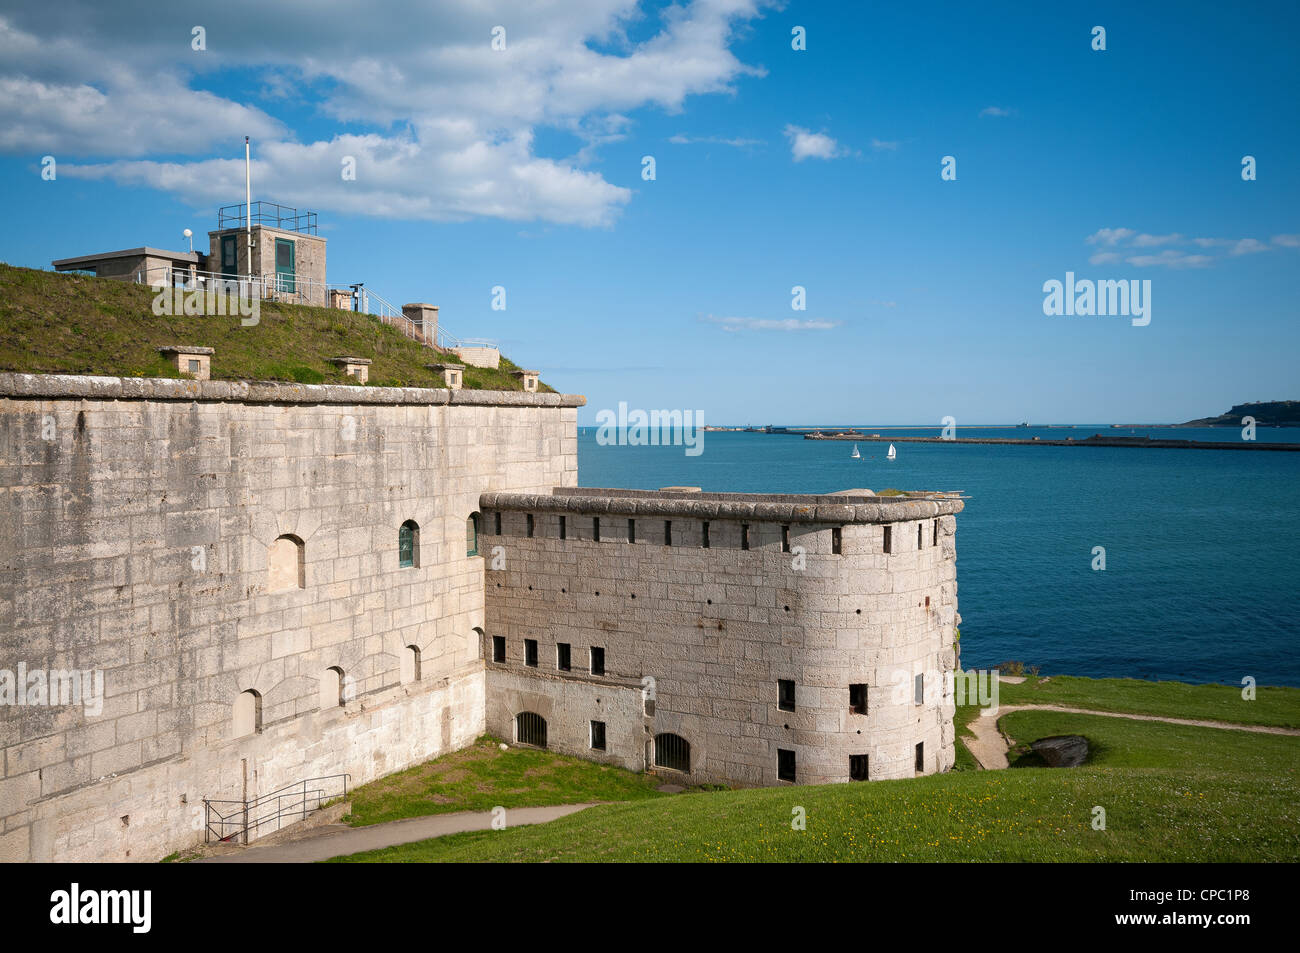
716, 626
139, 524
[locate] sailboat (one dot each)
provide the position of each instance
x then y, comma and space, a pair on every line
892, 453
855, 455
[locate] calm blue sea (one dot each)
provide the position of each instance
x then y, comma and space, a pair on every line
1202, 552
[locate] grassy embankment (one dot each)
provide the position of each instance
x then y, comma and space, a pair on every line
1171, 793
54, 323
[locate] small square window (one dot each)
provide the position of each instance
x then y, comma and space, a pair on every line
785, 765
562, 656
598, 735
857, 767
597, 660
530, 652
785, 694
194, 367
858, 699
498, 648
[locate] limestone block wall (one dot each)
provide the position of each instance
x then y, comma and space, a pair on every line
137, 519
717, 627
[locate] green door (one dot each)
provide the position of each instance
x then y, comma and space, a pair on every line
284, 277
229, 257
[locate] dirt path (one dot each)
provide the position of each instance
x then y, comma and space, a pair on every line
335, 840
989, 746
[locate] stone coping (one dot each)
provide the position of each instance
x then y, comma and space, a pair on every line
82, 387
759, 507
184, 349
350, 360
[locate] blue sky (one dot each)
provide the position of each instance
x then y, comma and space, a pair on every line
774, 168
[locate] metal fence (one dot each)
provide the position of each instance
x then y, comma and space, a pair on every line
226, 820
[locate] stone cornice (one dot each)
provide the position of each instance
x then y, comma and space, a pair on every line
81, 387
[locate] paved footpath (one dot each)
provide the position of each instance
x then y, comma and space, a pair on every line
337, 839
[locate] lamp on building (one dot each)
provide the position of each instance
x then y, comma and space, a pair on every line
190, 235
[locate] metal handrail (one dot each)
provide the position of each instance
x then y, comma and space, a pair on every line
299, 791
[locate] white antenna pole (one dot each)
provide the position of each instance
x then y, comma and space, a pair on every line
248, 205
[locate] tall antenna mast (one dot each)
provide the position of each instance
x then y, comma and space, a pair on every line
248, 205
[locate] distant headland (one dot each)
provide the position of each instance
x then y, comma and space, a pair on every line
1267, 413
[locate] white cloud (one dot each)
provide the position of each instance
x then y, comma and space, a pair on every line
1287, 241
1152, 241
812, 145
997, 112
683, 140
881, 145
1109, 236
1170, 258
1247, 246
772, 324
1104, 257
443, 127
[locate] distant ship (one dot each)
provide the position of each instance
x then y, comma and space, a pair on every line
892, 453
855, 455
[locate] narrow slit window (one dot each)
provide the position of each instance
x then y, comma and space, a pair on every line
631, 531
889, 539
785, 539
496, 522
471, 535
837, 540
530, 653
744, 536
595, 528
563, 657
858, 699
668, 532
919, 544
529, 525
920, 756
704, 534
936, 534
597, 660
918, 688
564, 528
785, 694
785, 769
498, 648
858, 767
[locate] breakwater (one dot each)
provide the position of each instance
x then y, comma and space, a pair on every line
1094, 441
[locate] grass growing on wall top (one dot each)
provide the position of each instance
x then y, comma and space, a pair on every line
52, 323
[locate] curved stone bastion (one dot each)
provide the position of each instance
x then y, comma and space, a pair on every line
724, 637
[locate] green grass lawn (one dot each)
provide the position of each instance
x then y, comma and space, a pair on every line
1272, 706
482, 776
53, 323
1170, 792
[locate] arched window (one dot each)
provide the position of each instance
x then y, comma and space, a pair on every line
471, 535
332, 684
411, 664
285, 565
408, 545
672, 752
530, 729
248, 713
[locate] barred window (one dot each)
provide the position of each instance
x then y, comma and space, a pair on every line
530, 729
672, 752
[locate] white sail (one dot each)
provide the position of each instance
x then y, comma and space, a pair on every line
892, 452
855, 455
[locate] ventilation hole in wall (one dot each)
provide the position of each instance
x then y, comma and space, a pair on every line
786, 727
858, 611
634, 595
927, 602
859, 731
710, 602
597, 592
530, 588
787, 608
564, 590
126, 820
